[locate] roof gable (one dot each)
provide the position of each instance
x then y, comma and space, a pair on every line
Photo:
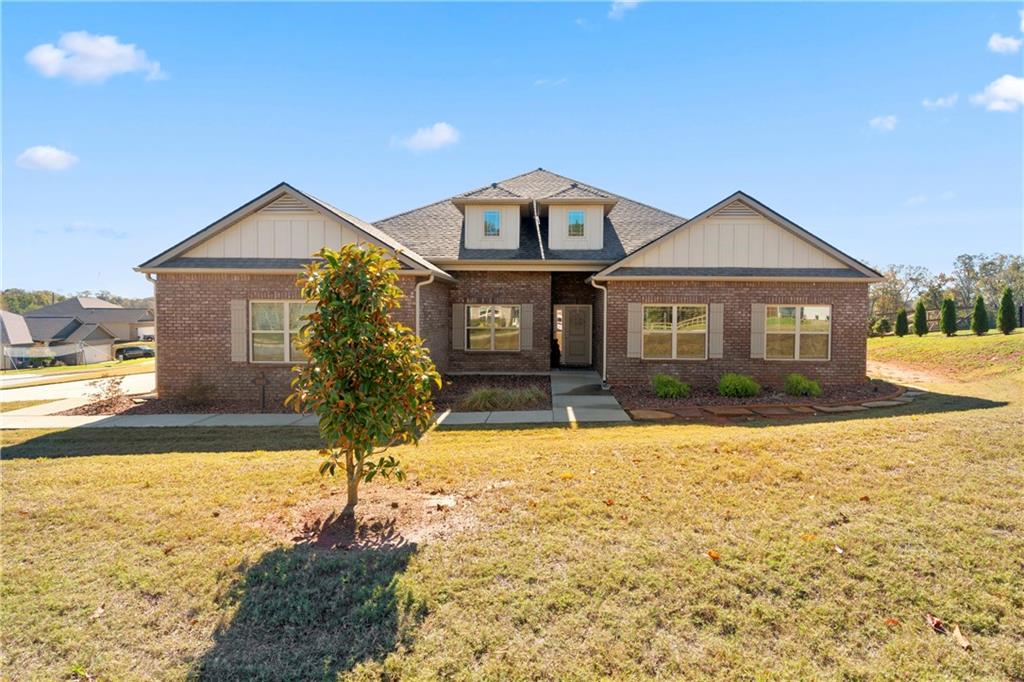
294, 222
13, 329
739, 237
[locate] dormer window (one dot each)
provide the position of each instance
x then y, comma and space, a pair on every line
577, 220
492, 223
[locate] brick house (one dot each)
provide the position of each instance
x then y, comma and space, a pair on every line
519, 276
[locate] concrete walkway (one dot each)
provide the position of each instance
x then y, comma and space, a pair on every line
576, 398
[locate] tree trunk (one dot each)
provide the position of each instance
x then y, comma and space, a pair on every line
352, 482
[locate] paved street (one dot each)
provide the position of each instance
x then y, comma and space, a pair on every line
133, 384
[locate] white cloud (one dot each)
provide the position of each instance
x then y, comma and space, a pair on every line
1004, 44
940, 102
1006, 93
886, 124
1020, 13
87, 58
620, 7
549, 82
436, 136
85, 228
45, 157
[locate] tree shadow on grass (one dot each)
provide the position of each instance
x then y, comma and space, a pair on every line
317, 609
80, 442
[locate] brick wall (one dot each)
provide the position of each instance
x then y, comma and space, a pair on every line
194, 333
508, 288
435, 322
849, 303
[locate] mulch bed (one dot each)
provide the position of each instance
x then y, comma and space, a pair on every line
455, 388
642, 397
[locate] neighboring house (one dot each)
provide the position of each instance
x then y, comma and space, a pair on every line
495, 277
126, 324
14, 339
70, 340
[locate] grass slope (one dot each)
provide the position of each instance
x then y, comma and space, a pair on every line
143, 555
964, 356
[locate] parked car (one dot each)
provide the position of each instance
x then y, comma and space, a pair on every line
133, 352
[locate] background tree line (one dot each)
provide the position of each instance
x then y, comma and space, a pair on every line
21, 300
972, 275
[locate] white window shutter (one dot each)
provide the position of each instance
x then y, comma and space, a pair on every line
526, 326
757, 330
458, 326
239, 331
634, 330
716, 315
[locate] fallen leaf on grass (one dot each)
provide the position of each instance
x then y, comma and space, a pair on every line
935, 623
97, 613
609, 502
566, 476
839, 550
893, 622
865, 498
960, 639
809, 537
714, 556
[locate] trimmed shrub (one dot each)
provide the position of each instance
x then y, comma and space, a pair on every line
920, 319
669, 387
882, 326
734, 385
1007, 317
947, 322
798, 384
979, 320
902, 324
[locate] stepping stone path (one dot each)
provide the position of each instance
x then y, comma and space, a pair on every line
651, 414
883, 403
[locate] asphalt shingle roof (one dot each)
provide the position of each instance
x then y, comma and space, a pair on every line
13, 329
436, 231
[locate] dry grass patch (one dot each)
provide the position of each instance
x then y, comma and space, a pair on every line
587, 555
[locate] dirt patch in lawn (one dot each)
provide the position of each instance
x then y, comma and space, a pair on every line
904, 374
455, 389
642, 397
387, 516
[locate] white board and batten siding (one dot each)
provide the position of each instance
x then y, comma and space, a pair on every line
558, 228
737, 237
508, 238
284, 229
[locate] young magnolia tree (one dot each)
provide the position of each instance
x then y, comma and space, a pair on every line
368, 379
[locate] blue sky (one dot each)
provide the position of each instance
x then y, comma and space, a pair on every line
816, 109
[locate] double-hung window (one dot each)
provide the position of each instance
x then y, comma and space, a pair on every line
492, 223
797, 332
274, 328
492, 327
577, 223
675, 332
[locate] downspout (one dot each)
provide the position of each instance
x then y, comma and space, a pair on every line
604, 334
536, 222
428, 280
152, 280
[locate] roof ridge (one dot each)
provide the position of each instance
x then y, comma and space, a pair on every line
613, 194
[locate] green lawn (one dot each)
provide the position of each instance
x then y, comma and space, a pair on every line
964, 356
579, 553
97, 370
19, 404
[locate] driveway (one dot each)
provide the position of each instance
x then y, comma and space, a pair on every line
133, 384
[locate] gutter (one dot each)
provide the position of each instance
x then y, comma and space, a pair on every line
604, 334
428, 280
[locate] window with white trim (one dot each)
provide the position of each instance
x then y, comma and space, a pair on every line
797, 332
493, 327
492, 223
675, 332
577, 223
274, 329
